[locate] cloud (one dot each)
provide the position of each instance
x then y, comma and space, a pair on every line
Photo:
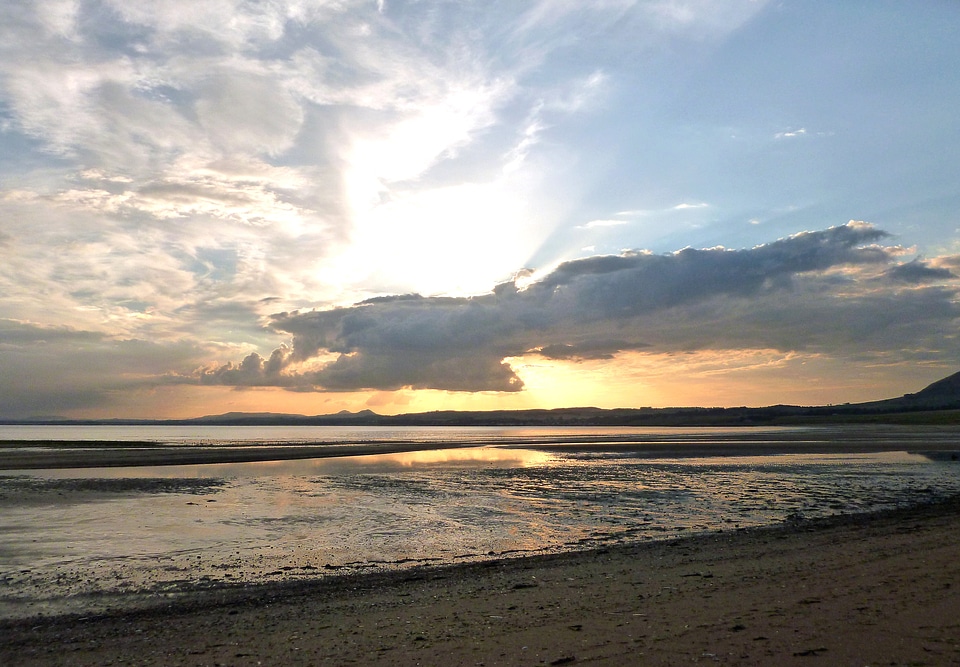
249, 112
596, 349
919, 271
48, 370
637, 282
288, 133
253, 371
810, 290
814, 291
593, 224
661, 212
791, 134
417, 370
698, 18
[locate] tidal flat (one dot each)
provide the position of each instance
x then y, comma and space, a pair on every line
96, 539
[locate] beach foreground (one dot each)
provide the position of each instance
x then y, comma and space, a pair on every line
877, 589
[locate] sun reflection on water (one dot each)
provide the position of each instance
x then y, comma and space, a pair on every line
461, 456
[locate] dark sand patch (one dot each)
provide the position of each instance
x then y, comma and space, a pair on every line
25, 490
28, 455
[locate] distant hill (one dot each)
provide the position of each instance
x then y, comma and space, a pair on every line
937, 403
941, 394
229, 416
344, 417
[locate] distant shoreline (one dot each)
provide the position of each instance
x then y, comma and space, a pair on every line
936, 404
880, 413
563, 418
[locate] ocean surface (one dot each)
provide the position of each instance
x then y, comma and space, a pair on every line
86, 539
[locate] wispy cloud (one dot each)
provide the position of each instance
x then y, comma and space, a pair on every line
800, 133
791, 134
593, 224
271, 128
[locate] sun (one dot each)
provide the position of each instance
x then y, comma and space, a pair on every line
455, 240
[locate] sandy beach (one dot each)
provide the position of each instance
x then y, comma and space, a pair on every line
878, 589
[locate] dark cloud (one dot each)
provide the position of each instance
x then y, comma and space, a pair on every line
951, 262
440, 343
418, 370
802, 292
815, 316
597, 349
636, 283
918, 271
47, 371
14, 333
253, 371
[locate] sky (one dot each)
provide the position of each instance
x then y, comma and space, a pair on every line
314, 206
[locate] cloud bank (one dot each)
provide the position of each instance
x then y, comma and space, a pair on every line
835, 291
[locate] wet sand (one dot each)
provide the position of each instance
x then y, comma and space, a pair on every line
43, 454
879, 589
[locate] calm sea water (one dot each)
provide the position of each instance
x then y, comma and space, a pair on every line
85, 539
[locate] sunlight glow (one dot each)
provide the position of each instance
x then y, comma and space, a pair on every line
455, 240
525, 457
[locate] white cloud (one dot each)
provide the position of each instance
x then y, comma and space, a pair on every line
150, 120
529, 137
233, 23
58, 17
703, 16
435, 130
791, 134
248, 112
593, 224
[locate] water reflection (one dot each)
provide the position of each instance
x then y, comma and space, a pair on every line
456, 457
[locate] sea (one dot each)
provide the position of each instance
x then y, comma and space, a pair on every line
87, 540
